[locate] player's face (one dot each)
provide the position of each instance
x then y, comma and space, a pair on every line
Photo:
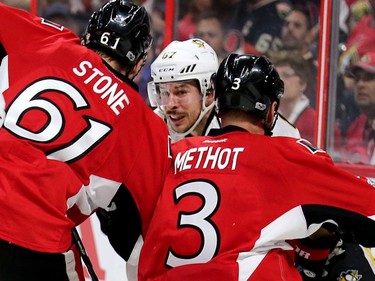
182, 103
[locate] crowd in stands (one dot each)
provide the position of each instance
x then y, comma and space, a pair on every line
356, 96
284, 30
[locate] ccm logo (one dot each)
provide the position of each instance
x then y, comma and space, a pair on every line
167, 69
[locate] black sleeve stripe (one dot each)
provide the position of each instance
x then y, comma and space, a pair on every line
353, 226
3, 53
122, 226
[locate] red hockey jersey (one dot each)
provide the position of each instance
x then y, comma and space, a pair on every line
62, 102
231, 202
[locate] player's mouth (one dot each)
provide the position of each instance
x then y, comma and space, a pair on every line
176, 118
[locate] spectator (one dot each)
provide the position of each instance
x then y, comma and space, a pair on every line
187, 25
360, 40
294, 70
84, 6
297, 35
260, 22
357, 41
346, 108
211, 30
21, 4
295, 105
360, 139
156, 10
357, 10
60, 13
77, 10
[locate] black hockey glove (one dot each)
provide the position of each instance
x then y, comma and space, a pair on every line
312, 254
122, 225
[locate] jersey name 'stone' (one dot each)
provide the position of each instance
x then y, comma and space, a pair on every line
103, 85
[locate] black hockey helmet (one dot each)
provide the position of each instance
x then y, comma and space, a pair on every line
120, 29
249, 83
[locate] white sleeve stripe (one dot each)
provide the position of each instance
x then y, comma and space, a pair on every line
247, 265
290, 225
4, 85
98, 194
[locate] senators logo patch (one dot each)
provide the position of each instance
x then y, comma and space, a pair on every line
350, 275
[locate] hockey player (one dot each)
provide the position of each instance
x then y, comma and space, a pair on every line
185, 69
182, 93
74, 103
233, 201
181, 89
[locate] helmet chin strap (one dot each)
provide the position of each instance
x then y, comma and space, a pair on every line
177, 136
268, 129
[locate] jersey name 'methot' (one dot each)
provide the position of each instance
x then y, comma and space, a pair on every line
207, 157
104, 85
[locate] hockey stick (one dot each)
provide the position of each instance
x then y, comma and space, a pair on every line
84, 256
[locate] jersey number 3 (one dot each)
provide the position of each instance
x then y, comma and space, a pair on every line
199, 220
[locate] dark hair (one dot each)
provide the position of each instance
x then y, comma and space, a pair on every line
310, 11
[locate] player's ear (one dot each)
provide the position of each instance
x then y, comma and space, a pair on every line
271, 113
137, 68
